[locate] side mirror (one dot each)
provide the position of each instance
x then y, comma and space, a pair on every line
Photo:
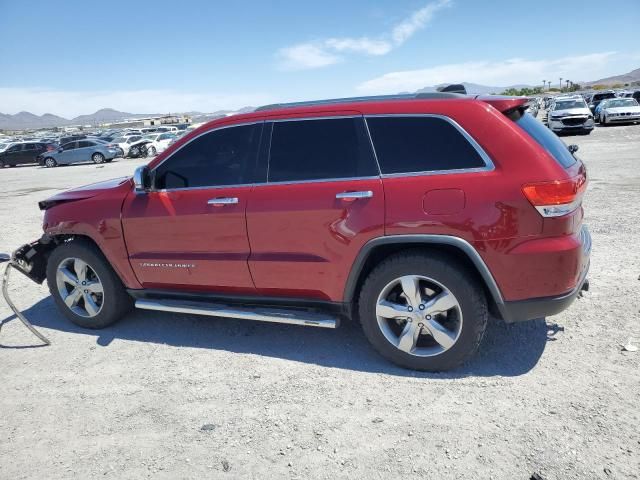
573, 148
142, 179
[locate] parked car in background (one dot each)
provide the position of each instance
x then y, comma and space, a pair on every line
570, 114
618, 110
24, 153
139, 148
70, 138
79, 151
159, 142
635, 94
125, 143
5, 145
596, 98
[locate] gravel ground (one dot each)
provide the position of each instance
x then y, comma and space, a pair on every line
174, 396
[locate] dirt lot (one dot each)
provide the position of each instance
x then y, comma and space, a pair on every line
172, 396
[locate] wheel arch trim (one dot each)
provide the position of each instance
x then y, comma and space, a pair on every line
417, 240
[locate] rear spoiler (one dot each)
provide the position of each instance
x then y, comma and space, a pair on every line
504, 103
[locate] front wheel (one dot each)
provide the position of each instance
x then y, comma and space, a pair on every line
84, 286
423, 311
153, 152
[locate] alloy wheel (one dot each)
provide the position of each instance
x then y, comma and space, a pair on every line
419, 316
79, 287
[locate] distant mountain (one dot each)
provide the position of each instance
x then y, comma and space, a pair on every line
27, 120
631, 77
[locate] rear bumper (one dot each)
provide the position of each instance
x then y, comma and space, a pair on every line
523, 310
530, 309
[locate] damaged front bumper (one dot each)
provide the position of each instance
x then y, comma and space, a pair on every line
31, 260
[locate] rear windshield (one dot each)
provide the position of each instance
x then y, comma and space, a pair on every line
602, 96
547, 139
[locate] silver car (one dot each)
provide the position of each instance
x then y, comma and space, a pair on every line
570, 114
79, 151
619, 110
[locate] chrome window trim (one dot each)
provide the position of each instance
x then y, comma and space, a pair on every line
489, 165
222, 127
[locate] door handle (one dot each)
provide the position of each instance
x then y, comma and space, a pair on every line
223, 201
354, 195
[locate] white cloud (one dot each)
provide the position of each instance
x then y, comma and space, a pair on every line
326, 52
69, 104
404, 30
495, 73
306, 55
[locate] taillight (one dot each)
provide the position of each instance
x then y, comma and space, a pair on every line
557, 198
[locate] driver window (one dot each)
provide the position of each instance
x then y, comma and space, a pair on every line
222, 157
69, 146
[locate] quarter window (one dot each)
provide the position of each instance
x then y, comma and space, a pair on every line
421, 144
320, 149
222, 157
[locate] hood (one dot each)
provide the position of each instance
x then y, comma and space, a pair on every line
571, 112
87, 191
632, 109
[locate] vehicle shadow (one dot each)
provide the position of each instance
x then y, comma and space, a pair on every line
507, 350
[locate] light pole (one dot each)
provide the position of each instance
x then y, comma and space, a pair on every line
560, 83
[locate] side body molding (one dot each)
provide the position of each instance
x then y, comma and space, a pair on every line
457, 242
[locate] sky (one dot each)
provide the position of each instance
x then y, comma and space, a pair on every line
74, 57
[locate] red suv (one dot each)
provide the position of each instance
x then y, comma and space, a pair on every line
417, 215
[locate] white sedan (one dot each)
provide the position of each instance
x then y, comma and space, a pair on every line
159, 142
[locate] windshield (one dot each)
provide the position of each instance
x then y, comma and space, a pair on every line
119, 140
567, 104
622, 102
546, 139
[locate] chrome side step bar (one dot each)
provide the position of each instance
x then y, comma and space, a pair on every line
277, 315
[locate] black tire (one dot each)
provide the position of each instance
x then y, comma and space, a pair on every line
1, 163
97, 158
449, 273
153, 152
116, 302
50, 162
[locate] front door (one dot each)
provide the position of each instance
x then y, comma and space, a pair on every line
189, 232
323, 201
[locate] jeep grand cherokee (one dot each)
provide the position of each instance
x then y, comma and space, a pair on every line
416, 215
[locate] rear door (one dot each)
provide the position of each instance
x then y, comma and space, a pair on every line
323, 201
84, 151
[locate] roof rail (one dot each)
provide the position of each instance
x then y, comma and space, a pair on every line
374, 98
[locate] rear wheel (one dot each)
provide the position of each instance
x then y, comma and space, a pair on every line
1, 164
50, 162
85, 287
97, 158
422, 311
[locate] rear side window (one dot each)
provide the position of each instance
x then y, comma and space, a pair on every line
421, 144
226, 156
320, 149
547, 140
